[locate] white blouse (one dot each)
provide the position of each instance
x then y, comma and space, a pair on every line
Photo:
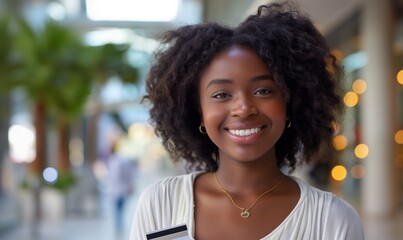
317, 215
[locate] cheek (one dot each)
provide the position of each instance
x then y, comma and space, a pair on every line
276, 110
209, 111
212, 117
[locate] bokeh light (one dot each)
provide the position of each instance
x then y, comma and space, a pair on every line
50, 175
350, 99
56, 11
18, 134
400, 77
399, 137
339, 173
359, 86
136, 131
22, 144
340, 142
361, 151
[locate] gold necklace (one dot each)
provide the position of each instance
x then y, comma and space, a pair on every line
245, 212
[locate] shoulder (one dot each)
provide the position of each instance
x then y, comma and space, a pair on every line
160, 204
169, 185
330, 204
338, 218
343, 221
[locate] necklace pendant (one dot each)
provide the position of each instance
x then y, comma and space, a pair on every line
245, 213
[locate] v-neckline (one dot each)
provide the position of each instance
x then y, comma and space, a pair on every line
302, 196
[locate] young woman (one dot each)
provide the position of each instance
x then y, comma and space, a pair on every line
240, 105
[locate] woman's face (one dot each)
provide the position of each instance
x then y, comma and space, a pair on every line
243, 109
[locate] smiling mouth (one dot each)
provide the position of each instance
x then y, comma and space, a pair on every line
245, 132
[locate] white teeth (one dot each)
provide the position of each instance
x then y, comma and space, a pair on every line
245, 132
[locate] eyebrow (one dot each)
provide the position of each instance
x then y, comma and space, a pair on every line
262, 78
228, 81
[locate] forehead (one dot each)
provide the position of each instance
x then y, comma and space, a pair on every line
235, 61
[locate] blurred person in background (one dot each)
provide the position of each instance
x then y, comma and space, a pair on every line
121, 180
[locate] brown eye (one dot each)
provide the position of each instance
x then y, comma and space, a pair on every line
263, 91
221, 95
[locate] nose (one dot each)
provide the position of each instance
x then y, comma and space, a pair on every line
244, 107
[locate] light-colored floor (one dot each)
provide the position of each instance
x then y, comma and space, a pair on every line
98, 226
70, 228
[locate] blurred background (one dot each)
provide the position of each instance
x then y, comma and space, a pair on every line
71, 123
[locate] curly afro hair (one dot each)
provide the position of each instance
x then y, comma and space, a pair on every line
292, 48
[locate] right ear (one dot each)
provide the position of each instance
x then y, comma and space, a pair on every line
201, 117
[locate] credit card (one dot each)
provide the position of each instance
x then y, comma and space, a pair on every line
179, 232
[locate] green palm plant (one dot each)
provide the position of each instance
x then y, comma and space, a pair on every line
6, 66
6, 63
55, 74
108, 60
58, 74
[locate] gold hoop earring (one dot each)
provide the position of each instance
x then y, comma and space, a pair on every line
201, 130
289, 124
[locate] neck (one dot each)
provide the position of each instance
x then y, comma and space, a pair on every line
248, 178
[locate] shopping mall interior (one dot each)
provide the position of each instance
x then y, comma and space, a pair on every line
58, 133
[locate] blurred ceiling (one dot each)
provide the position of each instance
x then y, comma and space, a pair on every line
326, 14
